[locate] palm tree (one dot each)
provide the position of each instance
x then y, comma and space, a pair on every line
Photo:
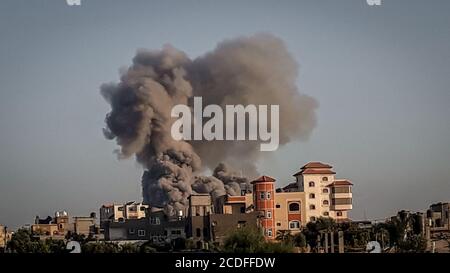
284, 236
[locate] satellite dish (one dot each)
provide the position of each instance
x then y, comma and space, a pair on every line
74, 247
373, 247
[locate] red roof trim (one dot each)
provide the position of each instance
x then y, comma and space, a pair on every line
264, 178
316, 165
341, 183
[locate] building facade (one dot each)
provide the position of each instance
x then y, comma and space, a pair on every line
315, 193
121, 212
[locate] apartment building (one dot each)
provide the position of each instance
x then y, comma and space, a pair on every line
315, 193
121, 212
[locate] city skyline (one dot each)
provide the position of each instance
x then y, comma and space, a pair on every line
379, 74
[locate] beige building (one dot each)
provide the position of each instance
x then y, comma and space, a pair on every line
3, 237
121, 212
324, 195
45, 229
315, 193
83, 225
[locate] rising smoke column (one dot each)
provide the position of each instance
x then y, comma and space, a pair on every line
247, 70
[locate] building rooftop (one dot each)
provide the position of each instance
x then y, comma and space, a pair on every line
315, 168
263, 178
342, 182
315, 171
316, 165
291, 186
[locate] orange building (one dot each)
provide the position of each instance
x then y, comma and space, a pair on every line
315, 193
264, 202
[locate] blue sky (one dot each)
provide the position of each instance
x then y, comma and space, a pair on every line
380, 74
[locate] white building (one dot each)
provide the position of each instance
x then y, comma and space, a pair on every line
121, 212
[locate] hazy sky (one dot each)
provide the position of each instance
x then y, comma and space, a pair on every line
380, 74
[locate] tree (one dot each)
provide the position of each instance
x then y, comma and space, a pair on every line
244, 240
311, 233
147, 248
248, 240
56, 246
326, 224
129, 248
299, 240
284, 236
414, 243
100, 247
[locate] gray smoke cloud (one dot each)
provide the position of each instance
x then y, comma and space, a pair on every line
247, 70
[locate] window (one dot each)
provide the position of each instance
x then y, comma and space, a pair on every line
312, 184
312, 219
294, 207
262, 195
155, 221
269, 232
312, 196
312, 207
176, 232
242, 209
268, 195
325, 202
325, 191
131, 231
241, 224
341, 190
326, 213
142, 208
120, 209
339, 213
132, 209
141, 233
269, 214
325, 179
121, 219
278, 206
341, 201
198, 232
294, 225
278, 224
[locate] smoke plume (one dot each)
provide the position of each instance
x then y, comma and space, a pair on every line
247, 70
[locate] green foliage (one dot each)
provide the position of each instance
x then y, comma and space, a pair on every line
299, 240
414, 243
100, 247
23, 241
326, 224
278, 247
284, 236
244, 240
129, 248
248, 240
56, 246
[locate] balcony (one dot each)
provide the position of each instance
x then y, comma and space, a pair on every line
342, 207
342, 195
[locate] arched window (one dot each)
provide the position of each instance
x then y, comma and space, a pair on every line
294, 207
325, 213
324, 178
312, 184
294, 225
325, 191
312, 196
325, 202
312, 207
339, 213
